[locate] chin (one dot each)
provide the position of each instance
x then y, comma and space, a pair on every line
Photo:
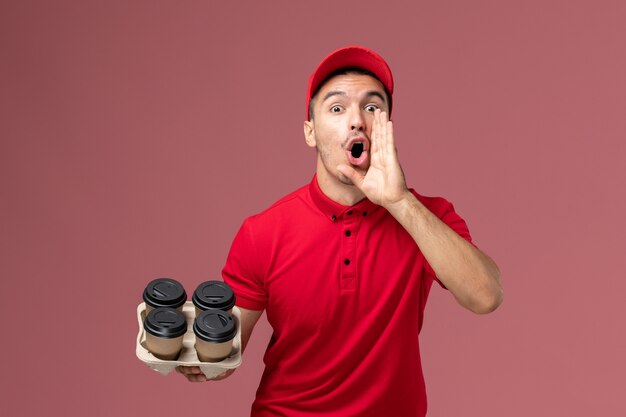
345, 180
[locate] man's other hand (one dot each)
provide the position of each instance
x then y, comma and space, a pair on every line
194, 374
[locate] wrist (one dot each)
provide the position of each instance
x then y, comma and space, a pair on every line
400, 205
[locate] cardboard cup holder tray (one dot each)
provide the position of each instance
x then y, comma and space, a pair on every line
188, 356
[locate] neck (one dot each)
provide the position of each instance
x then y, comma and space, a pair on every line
344, 194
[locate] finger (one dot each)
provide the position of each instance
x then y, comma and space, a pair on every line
378, 138
223, 375
190, 373
388, 152
197, 378
390, 138
203, 378
189, 370
374, 139
383, 141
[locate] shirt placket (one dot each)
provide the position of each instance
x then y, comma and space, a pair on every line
349, 272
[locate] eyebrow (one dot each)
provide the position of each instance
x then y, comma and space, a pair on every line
376, 94
371, 93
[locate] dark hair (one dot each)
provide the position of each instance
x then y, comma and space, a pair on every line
343, 71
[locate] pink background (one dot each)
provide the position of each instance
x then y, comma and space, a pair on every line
136, 137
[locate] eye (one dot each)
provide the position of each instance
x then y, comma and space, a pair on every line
371, 107
335, 109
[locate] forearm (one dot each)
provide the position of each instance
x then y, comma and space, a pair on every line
248, 320
468, 273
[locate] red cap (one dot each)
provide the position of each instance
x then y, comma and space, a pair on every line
350, 57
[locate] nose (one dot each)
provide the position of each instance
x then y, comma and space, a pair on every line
357, 121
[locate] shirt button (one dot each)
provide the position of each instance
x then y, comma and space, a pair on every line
365, 213
350, 213
333, 218
348, 233
347, 261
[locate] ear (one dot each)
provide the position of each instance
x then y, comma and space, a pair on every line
309, 133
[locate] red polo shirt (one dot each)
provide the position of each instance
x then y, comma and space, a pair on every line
344, 289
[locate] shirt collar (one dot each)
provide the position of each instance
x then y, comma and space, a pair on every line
333, 210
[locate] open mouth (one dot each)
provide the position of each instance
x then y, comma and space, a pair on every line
357, 149
357, 152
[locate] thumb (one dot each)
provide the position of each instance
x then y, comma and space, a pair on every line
352, 175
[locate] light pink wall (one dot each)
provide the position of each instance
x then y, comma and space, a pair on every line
136, 136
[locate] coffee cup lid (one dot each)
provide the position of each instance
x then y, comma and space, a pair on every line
215, 326
164, 292
214, 294
165, 322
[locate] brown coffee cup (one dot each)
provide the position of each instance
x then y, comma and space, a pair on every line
164, 292
215, 331
165, 328
213, 295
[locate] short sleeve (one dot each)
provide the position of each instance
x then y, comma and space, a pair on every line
243, 270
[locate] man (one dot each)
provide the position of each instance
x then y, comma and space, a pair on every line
343, 266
